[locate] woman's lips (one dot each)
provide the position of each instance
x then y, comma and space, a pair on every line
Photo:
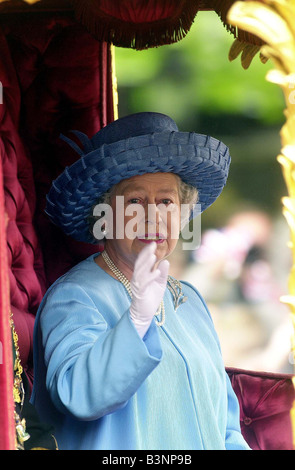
152, 237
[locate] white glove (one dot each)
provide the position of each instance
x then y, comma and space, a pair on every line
148, 286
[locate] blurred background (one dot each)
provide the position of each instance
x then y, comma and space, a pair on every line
242, 265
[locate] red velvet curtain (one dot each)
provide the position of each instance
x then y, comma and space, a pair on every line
137, 23
142, 24
7, 434
56, 77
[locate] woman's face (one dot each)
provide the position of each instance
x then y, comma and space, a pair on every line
148, 207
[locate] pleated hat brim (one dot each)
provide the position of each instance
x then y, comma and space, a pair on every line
199, 160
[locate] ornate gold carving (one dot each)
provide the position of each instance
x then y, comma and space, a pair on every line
274, 22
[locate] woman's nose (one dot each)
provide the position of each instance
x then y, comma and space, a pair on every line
152, 213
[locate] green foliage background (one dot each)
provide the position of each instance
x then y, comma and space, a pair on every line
194, 82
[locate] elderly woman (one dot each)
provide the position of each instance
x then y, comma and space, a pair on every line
126, 357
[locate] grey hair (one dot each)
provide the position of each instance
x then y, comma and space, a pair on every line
188, 194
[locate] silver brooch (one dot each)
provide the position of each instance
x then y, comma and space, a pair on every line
176, 290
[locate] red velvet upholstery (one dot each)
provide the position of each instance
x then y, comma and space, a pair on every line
7, 438
23, 248
265, 403
56, 77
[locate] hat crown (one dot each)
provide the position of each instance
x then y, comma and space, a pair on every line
133, 126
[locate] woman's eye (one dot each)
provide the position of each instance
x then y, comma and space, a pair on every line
166, 202
134, 200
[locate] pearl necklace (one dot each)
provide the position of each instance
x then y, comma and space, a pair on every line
123, 279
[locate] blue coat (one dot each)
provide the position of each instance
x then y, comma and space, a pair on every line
103, 387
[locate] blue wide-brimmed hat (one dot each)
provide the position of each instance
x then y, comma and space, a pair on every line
133, 145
